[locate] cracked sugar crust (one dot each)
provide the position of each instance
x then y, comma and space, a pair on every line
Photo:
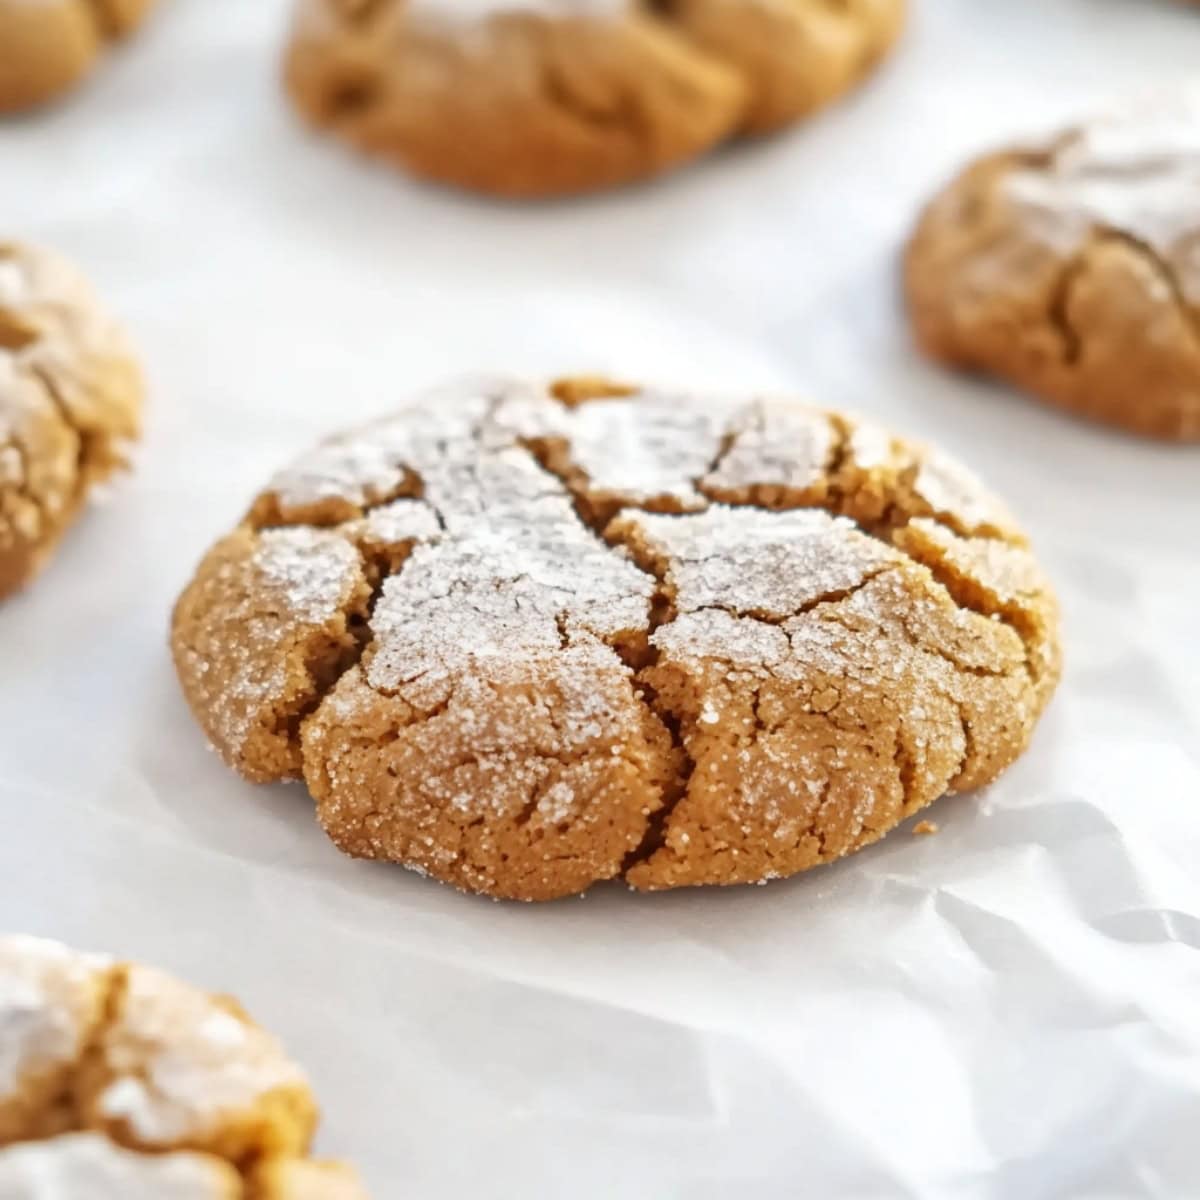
1072, 269
48, 46
525, 638
70, 403
116, 1078
548, 97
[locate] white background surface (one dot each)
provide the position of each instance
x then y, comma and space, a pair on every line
1009, 1009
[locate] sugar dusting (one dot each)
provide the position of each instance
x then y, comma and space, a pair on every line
178, 1063
47, 997
89, 1165
767, 565
1136, 172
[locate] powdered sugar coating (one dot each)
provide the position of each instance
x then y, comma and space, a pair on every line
178, 1065
309, 570
86, 1166
1136, 172
649, 451
514, 562
775, 443
49, 1001
957, 496
400, 522
766, 565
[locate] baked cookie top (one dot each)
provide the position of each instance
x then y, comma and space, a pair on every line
70, 403
541, 97
1074, 268
526, 638
117, 1075
48, 46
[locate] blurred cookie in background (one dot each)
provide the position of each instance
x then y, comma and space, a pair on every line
70, 404
554, 97
119, 1080
48, 46
1071, 268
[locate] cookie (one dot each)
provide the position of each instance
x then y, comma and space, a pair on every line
1072, 269
553, 97
527, 638
48, 46
116, 1078
70, 403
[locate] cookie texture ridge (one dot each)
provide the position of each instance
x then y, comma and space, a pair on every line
1072, 269
524, 638
117, 1079
70, 404
531, 98
48, 46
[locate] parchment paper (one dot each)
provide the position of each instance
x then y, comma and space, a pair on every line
1008, 1009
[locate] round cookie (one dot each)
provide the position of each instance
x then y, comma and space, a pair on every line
526, 638
70, 402
116, 1078
553, 97
48, 46
1073, 269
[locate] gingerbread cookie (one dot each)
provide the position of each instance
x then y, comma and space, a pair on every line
524, 639
116, 1079
1073, 269
548, 97
48, 46
70, 403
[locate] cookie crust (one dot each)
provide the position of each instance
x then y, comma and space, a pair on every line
48, 47
1072, 269
116, 1078
551, 98
527, 638
70, 404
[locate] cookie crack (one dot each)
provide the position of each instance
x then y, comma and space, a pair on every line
84, 451
24, 488
1163, 269
1058, 309
639, 654
16, 334
104, 18
69, 1102
325, 671
641, 659
968, 735
779, 620
969, 598
921, 645
901, 508
623, 117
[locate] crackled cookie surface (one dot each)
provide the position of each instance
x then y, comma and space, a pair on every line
70, 403
48, 46
117, 1079
544, 97
526, 638
1073, 269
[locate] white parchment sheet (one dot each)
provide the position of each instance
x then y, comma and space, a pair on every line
1008, 1009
